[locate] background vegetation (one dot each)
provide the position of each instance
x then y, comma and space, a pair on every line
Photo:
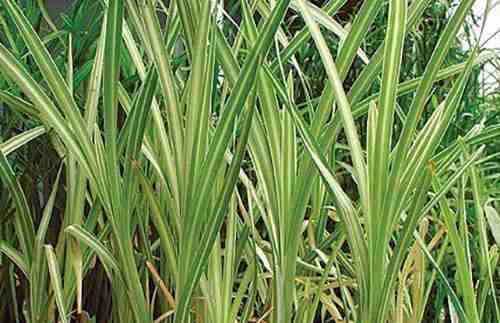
248, 161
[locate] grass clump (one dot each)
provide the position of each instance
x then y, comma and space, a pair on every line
200, 173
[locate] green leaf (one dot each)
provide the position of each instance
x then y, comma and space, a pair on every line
55, 278
21, 139
23, 221
108, 260
15, 257
494, 222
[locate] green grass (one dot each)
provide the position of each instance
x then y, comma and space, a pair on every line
202, 179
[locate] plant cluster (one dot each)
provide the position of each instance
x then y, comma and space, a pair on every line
247, 161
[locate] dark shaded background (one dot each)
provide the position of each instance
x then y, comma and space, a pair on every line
57, 4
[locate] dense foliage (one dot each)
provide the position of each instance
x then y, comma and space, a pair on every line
248, 161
